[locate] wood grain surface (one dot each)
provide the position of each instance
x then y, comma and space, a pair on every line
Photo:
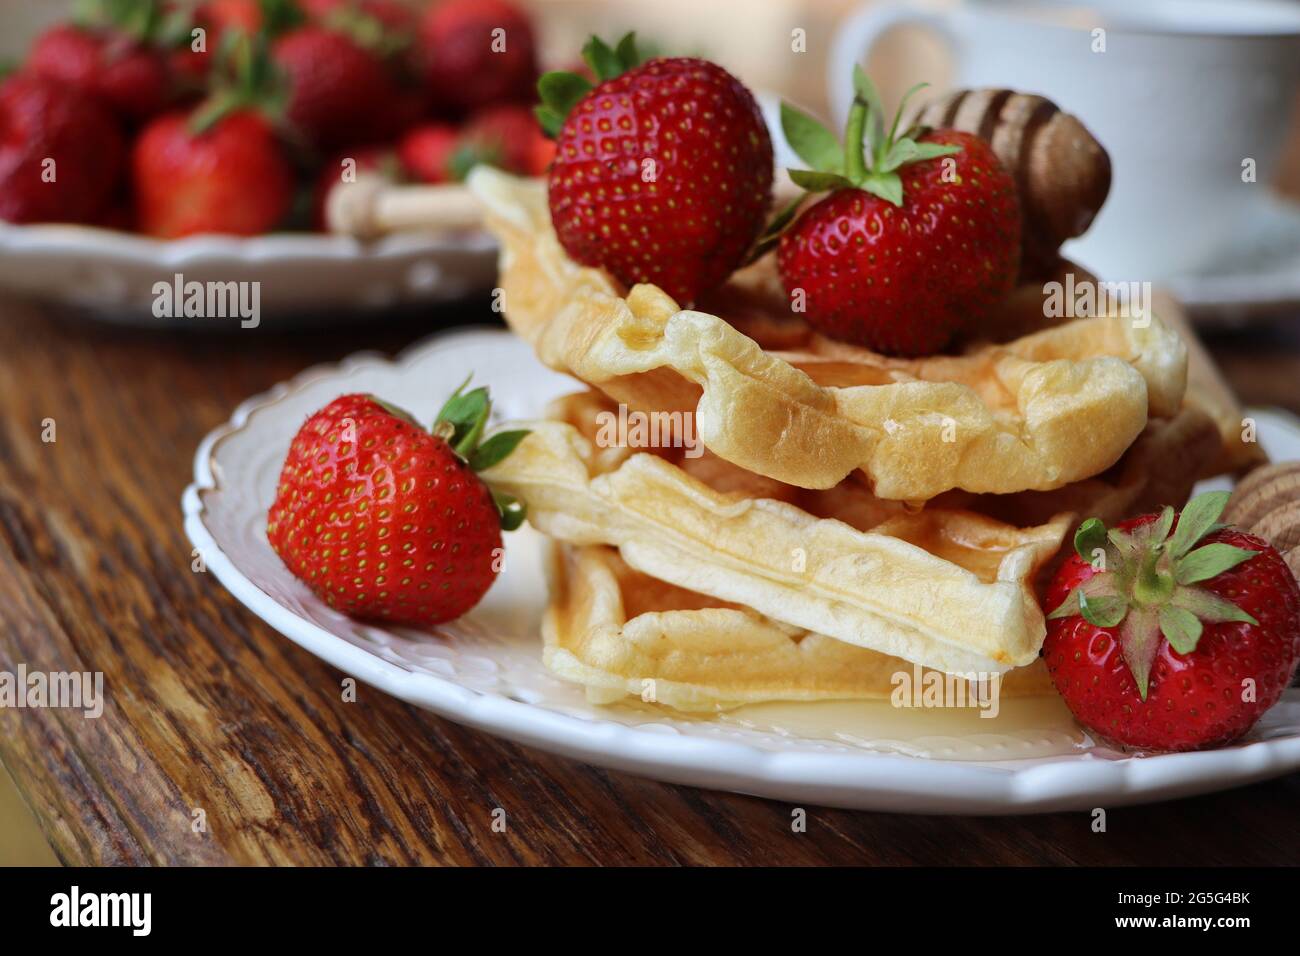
209, 710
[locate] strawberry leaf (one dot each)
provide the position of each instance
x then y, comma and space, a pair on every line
468, 155
511, 509
604, 62
934, 150
559, 92
1209, 607
1197, 520
1181, 628
1157, 530
467, 413
1123, 542
902, 105
906, 151
1102, 610
888, 186
627, 52
1139, 642
1067, 608
1097, 586
865, 91
495, 449
1210, 561
817, 182
1090, 536
549, 120
813, 142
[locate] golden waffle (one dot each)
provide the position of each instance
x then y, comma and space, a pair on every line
944, 588
1160, 468
770, 396
619, 632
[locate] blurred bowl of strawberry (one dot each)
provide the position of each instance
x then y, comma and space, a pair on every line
204, 137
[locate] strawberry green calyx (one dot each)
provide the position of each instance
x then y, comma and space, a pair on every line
870, 156
461, 423
560, 90
367, 31
142, 20
246, 78
468, 155
1146, 581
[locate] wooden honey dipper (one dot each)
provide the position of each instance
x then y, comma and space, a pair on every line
373, 206
1267, 503
1062, 172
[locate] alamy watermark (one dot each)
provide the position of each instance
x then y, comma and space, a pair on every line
635, 429
1088, 299
180, 299
930, 688
73, 690
133, 911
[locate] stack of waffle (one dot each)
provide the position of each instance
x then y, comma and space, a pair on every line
846, 515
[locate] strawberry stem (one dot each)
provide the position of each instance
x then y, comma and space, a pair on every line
1151, 586
855, 163
246, 79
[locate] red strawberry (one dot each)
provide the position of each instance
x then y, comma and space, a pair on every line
426, 152
908, 249
385, 29
229, 177
221, 167
385, 521
662, 172
1187, 636
474, 53
131, 76
336, 85
508, 137
61, 153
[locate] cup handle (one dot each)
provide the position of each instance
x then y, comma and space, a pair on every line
862, 31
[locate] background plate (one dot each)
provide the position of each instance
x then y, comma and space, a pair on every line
485, 670
305, 278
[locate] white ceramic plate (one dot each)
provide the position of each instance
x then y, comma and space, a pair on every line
485, 670
303, 277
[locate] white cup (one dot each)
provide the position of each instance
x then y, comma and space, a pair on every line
1190, 97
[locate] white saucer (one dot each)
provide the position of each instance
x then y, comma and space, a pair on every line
1257, 279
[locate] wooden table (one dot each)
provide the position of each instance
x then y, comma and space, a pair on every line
209, 709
